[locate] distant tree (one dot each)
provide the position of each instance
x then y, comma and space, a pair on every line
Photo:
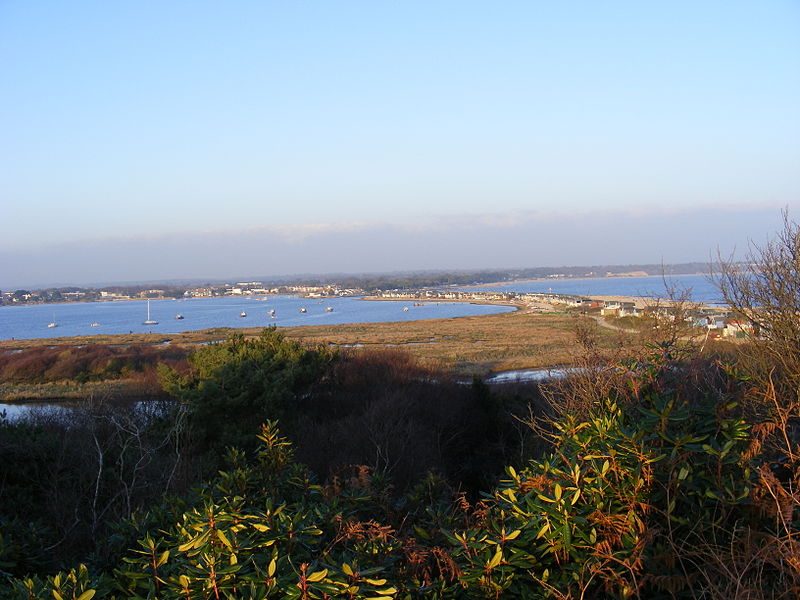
174, 292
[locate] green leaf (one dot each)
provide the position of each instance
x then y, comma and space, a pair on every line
224, 539
421, 532
545, 528
318, 576
387, 591
87, 595
496, 559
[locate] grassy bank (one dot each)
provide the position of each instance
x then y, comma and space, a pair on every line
467, 346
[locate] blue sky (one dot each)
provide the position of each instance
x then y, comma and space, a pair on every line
130, 124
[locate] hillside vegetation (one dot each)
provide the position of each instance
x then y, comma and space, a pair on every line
282, 470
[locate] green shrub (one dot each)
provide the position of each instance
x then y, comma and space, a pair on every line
235, 385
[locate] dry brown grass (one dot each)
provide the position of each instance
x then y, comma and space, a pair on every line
468, 345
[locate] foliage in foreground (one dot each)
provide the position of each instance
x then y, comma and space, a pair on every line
637, 500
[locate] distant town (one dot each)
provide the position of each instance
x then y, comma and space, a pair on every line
419, 288
332, 286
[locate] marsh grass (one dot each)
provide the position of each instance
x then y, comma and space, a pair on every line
474, 345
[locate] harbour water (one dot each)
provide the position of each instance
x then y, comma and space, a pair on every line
76, 319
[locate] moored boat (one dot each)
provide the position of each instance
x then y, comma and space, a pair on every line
149, 321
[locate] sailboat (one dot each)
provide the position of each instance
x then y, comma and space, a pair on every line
149, 320
53, 323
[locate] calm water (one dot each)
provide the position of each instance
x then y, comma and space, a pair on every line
641, 287
29, 322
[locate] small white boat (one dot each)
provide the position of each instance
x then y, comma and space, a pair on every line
329, 309
53, 322
95, 324
272, 312
405, 309
149, 321
302, 310
243, 314
179, 316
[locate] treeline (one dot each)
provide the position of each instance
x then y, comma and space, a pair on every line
465, 278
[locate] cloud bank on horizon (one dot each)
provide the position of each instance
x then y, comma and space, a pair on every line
463, 242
